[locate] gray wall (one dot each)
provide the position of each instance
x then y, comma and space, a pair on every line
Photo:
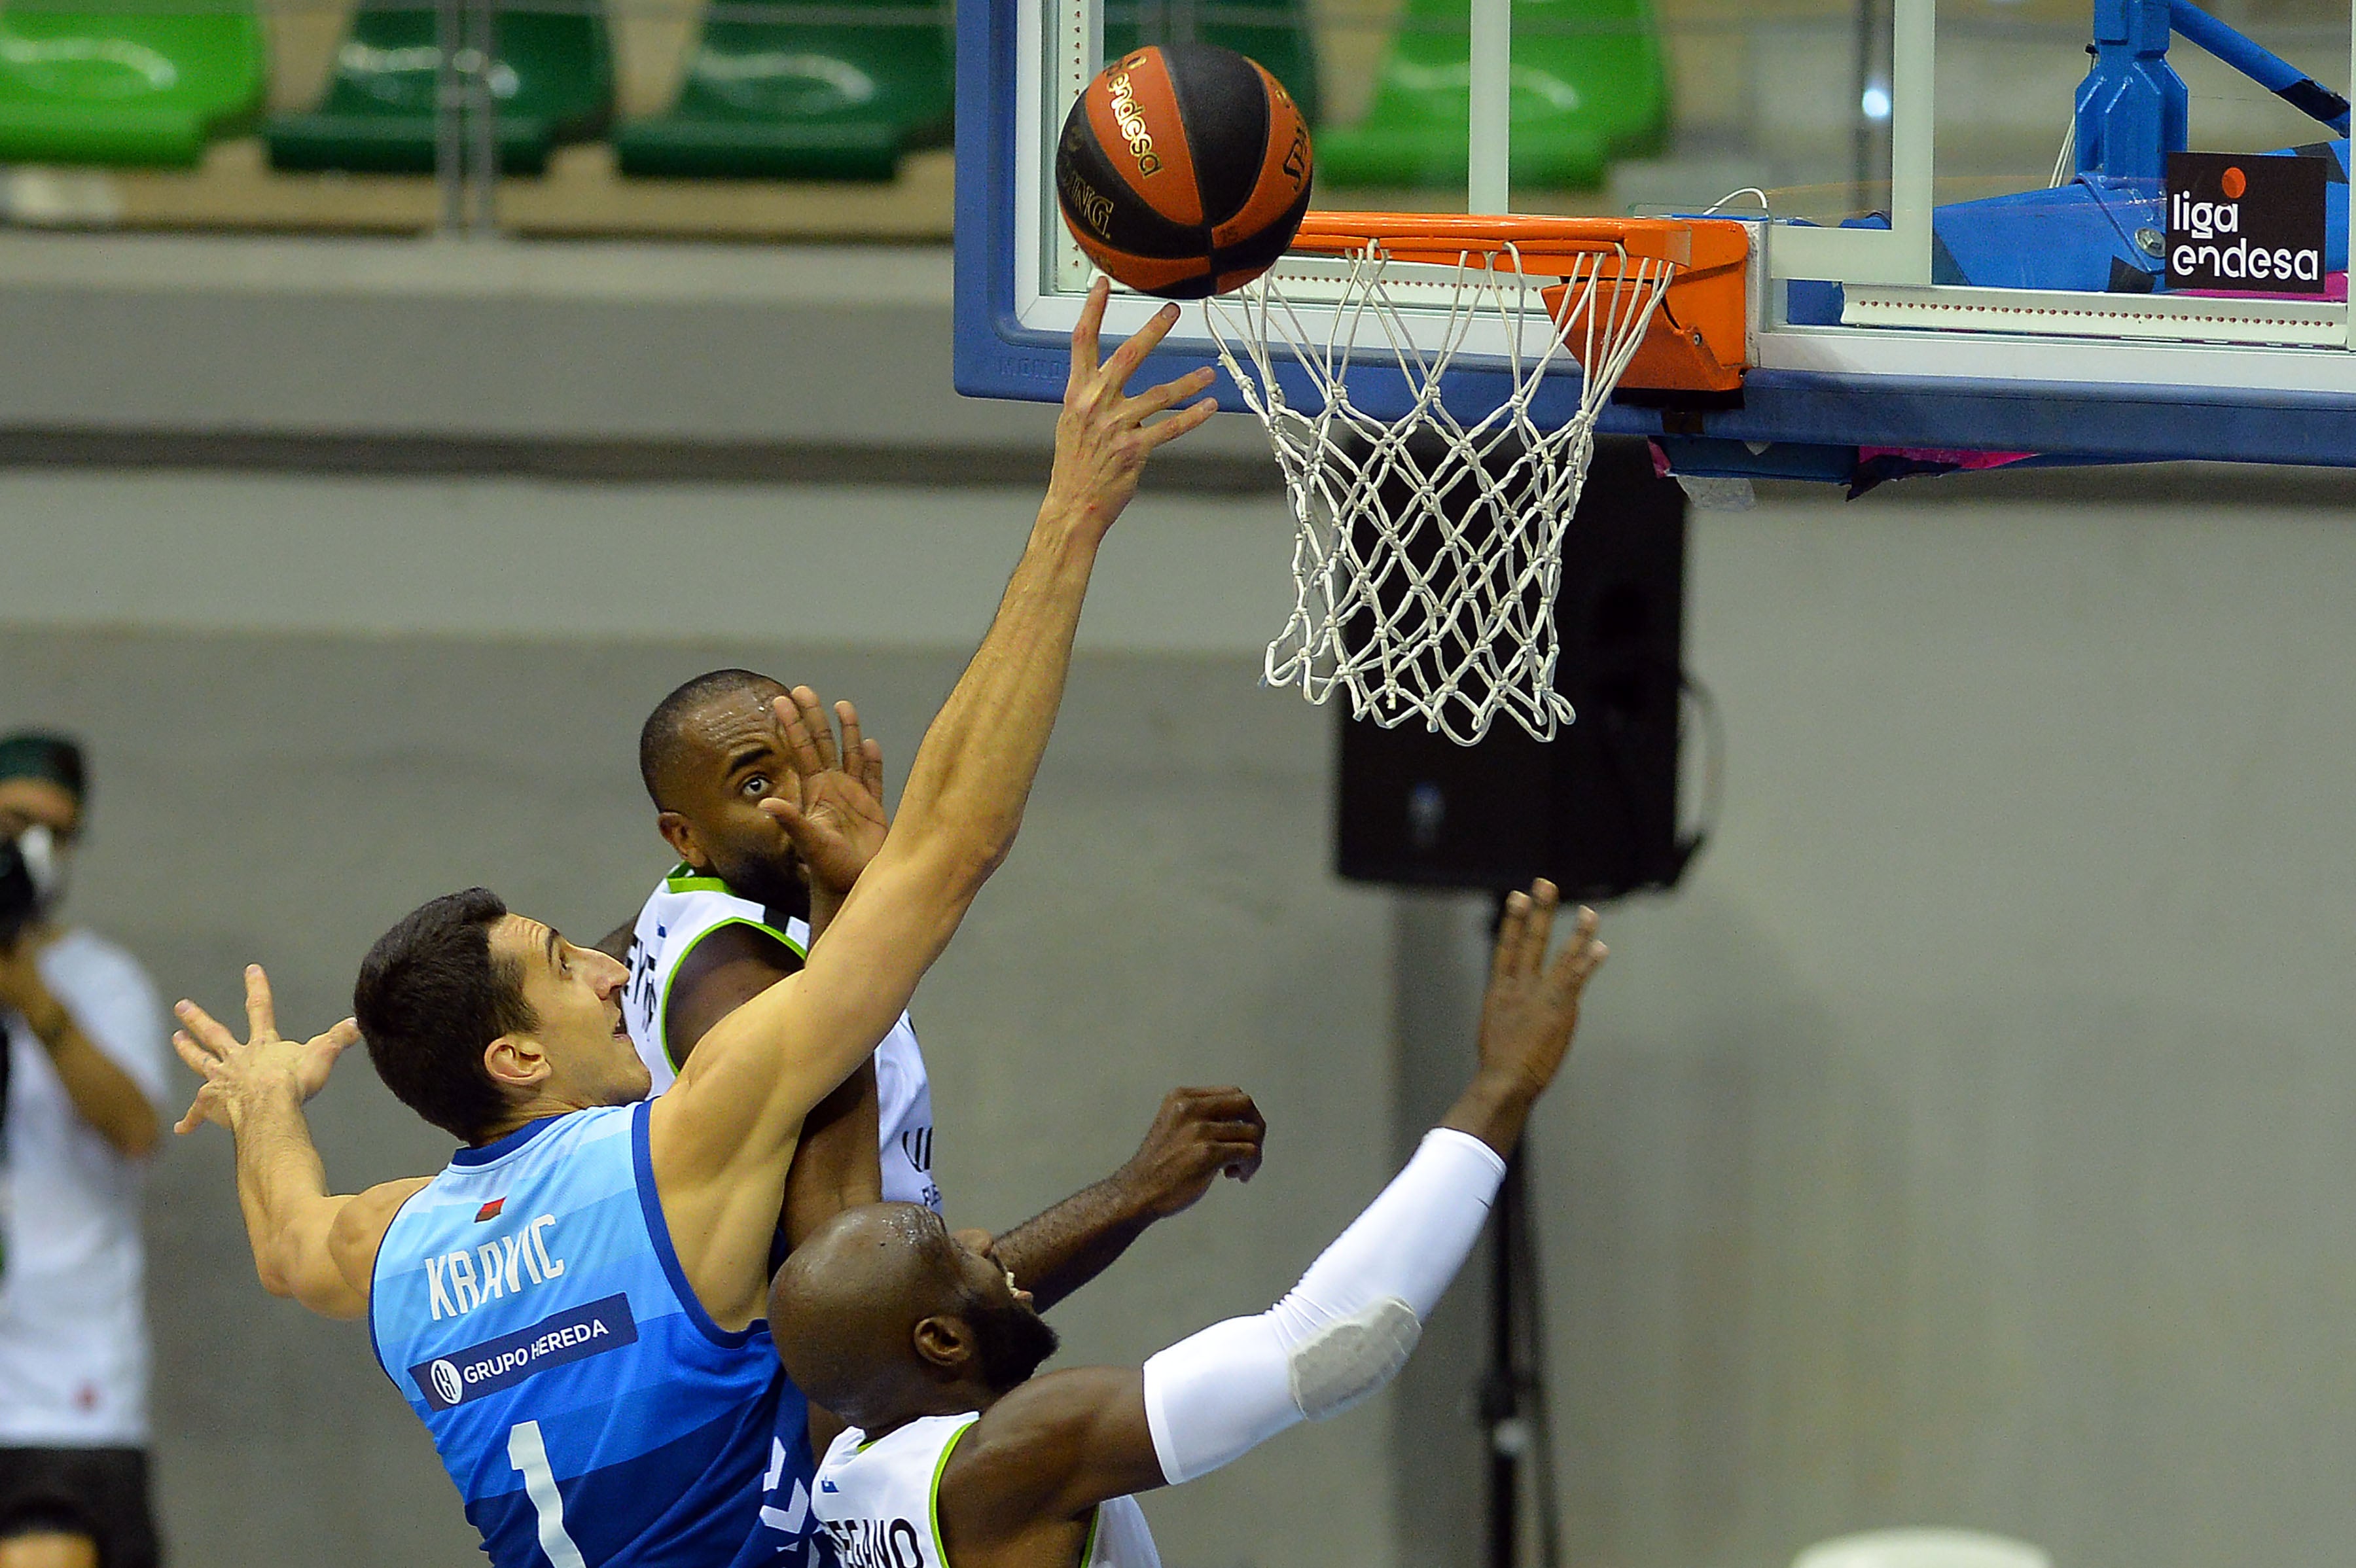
1961, 1144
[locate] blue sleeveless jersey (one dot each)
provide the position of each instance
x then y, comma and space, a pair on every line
529, 1306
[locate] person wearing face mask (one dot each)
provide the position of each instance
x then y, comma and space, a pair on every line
81, 1078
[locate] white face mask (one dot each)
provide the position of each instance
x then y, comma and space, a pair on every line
47, 861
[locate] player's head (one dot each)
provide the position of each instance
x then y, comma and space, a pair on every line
884, 1313
474, 1015
709, 752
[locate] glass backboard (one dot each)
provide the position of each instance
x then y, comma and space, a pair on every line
1960, 231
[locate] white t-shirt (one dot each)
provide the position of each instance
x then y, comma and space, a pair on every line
73, 1317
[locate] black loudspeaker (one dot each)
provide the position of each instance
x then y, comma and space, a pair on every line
1594, 810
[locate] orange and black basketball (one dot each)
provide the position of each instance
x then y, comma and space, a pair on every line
1183, 170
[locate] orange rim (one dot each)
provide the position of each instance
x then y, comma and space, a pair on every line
1423, 236
1696, 341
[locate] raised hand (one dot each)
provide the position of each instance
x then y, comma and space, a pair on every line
1199, 1135
835, 816
1102, 440
1532, 1006
231, 1067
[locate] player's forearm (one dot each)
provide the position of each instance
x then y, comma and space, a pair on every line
281, 1190
835, 1164
1340, 1334
1055, 1253
974, 771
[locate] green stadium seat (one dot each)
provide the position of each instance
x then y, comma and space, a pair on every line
1587, 88
126, 88
1273, 32
800, 100
552, 77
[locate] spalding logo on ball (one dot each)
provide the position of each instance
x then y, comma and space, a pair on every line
1183, 170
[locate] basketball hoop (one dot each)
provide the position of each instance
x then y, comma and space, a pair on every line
1430, 547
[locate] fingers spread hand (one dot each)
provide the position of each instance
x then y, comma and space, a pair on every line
1505, 955
847, 717
1086, 355
205, 1027
801, 746
1167, 395
812, 713
199, 1059
871, 767
1536, 929
1581, 956
261, 1013
1143, 341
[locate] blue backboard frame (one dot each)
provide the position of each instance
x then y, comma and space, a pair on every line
2161, 400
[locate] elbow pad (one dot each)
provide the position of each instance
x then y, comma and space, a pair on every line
1347, 1362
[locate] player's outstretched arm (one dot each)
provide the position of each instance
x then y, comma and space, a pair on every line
309, 1243
1062, 1444
728, 1127
1199, 1135
967, 787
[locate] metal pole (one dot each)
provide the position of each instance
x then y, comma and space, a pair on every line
1502, 1392
1868, 18
482, 110
449, 109
1489, 141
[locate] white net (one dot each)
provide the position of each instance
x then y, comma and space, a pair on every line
1429, 550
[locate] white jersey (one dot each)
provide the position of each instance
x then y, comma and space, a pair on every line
73, 1319
881, 1502
688, 908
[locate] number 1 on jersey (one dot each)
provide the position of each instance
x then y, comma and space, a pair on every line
529, 1453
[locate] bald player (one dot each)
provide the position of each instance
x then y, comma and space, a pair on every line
956, 1457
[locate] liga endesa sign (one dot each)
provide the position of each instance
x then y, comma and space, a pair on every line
2245, 223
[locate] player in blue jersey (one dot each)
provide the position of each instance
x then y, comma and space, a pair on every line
575, 1307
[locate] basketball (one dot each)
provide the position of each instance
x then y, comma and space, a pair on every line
1183, 170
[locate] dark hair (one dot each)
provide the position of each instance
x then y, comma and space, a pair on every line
32, 754
431, 997
659, 736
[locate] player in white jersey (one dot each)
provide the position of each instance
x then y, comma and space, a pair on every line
957, 1458
688, 915
735, 915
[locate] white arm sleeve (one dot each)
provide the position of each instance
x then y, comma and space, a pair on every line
1341, 1333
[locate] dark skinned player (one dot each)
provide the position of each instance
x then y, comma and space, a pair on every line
958, 1457
738, 913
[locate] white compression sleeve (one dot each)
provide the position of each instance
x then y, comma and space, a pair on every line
1211, 1398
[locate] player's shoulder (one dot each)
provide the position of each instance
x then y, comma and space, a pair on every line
1031, 1437
360, 1226
371, 1210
